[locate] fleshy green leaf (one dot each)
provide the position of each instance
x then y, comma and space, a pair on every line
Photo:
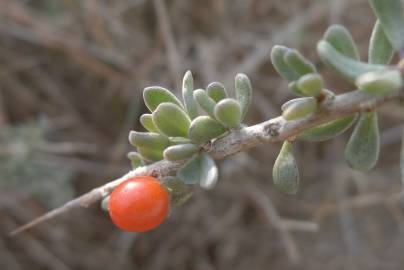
228, 112
380, 82
298, 62
150, 155
380, 49
206, 103
216, 91
340, 38
278, 61
188, 95
310, 84
147, 122
362, 150
136, 160
155, 95
204, 128
243, 93
345, 66
179, 191
171, 120
200, 169
179, 140
300, 108
285, 172
105, 204
180, 151
148, 139
328, 130
390, 15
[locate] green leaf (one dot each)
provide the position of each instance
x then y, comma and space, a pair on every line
293, 86
179, 191
278, 61
148, 139
180, 151
216, 91
299, 108
228, 112
285, 172
178, 140
243, 93
345, 66
136, 160
105, 203
150, 155
340, 38
380, 49
390, 15
362, 150
206, 103
298, 62
328, 130
380, 82
171, 120
310, 84
147, 122
204, 128
155, 95
188, 95
200, 169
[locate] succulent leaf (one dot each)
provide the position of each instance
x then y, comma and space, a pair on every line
180, 151
243, 93
147, 122
310, 84
300, 108
228, 112
362, 150
216, 91
204, 128
340, 38
296, 61
136, 160
155, 95
380, 82
199, 169
285, 172
343, 65
179, 191
278, 61
188, 95
148, 139
328, 130
380, 49
171, 120
205, 102
390, 15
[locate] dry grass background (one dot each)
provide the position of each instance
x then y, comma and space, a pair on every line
71, 77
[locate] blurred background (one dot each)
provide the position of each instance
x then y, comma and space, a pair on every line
71, 79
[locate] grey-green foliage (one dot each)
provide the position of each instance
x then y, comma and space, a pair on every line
179, 191
188, 96
285, 172
391, 17
199, 169
216, 91
243, 90
228, 112
347, 67
362, 149
340, 38
380, 49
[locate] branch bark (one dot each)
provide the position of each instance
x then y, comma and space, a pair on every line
273, 130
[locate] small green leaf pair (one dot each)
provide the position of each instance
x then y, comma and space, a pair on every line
299, 108
295, 68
